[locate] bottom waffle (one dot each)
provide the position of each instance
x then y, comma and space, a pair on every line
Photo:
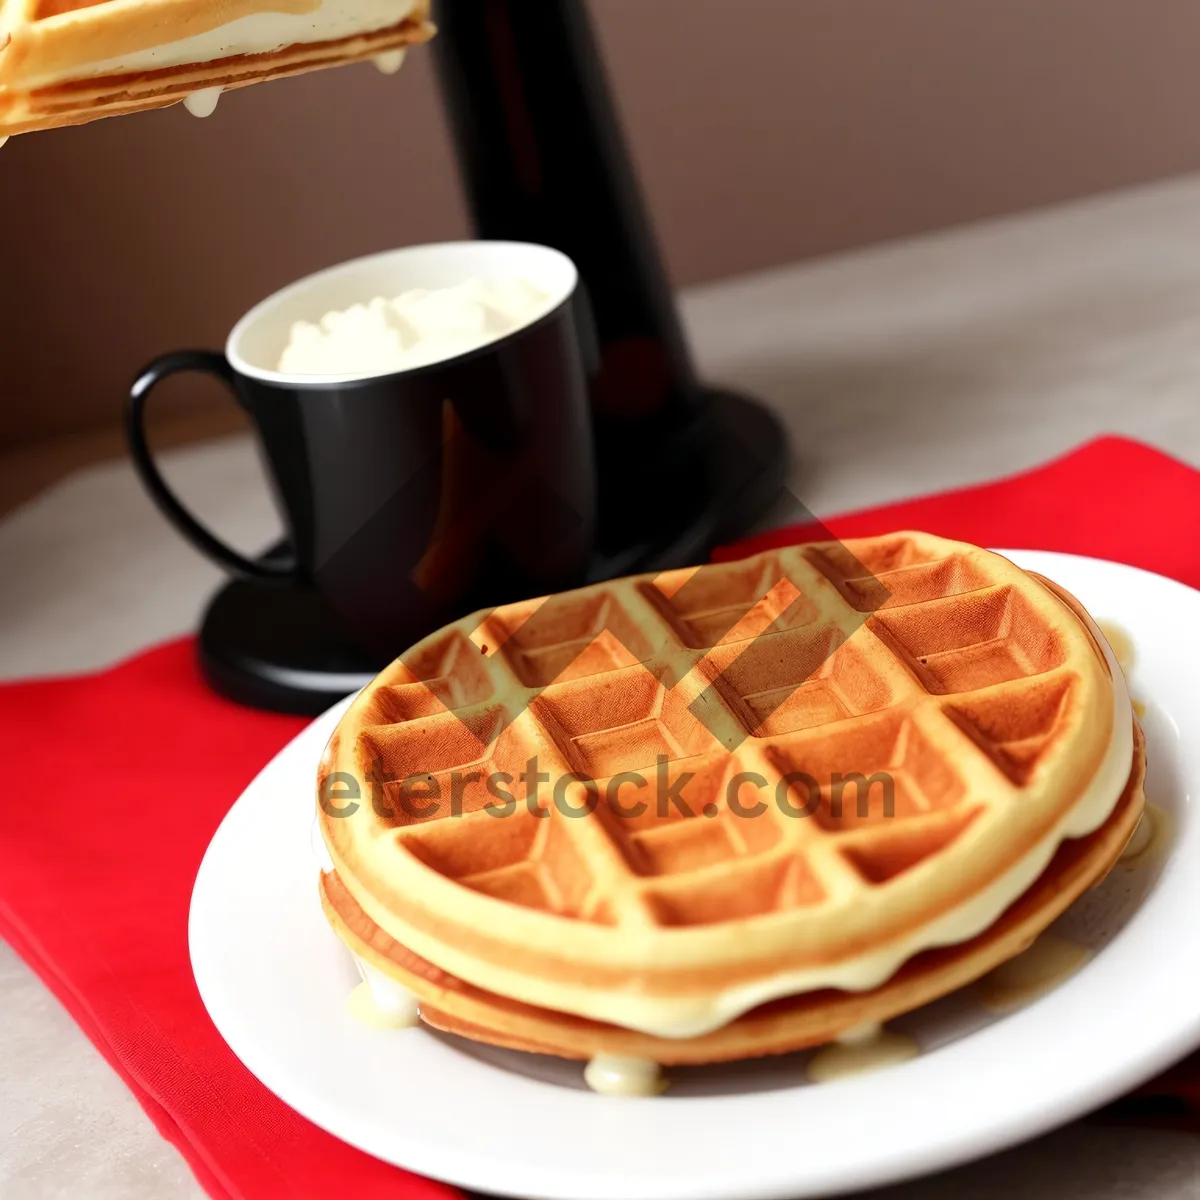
785, 1025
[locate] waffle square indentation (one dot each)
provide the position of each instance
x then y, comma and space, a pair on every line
745, 890
837, 563
915, 585
569, 637
973, 641
877, 771
525, 858
798, 680
905, 846
623, 722
442, 766
447, 674
1015, 736
706, 606
679, 817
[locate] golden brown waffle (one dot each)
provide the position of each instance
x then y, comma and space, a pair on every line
51, 50
975, 688
792, 1023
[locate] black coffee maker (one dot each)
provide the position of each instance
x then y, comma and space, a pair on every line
680, 466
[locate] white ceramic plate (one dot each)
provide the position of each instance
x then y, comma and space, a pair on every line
275, 981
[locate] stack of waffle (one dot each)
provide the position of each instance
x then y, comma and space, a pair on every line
64, 62
732, 811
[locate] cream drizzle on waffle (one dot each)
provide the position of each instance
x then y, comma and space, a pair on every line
399, 889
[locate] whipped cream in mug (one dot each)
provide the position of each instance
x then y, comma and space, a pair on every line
418, 327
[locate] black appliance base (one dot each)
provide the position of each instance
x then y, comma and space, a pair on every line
280, 648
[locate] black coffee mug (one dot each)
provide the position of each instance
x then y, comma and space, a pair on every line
409, 498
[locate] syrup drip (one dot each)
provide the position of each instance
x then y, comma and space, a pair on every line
618, 1075
1150, 838
865, 1049
361, 1005
1120, 643
1038, 968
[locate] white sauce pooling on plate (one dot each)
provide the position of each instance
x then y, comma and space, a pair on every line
1039, 967
1152, 834
1120, 643
202, 103
618, 1075
872, 1049
1141, 838
380, 1002
866, 1031
362, 1006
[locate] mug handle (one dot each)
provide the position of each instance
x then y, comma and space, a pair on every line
265, 570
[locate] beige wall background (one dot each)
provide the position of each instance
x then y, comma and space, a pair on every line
764, 131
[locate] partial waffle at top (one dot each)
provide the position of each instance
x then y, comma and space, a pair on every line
727, 853
63, 62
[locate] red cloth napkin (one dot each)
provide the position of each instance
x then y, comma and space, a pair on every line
117, 781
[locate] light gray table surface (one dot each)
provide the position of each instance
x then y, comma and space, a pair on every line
898, 370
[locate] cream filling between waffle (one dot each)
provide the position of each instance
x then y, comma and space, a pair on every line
391, 1005
258, 33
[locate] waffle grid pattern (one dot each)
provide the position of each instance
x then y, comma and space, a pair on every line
789, 670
